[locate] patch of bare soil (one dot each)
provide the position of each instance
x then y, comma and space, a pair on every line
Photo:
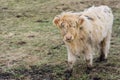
44, 72
55, 72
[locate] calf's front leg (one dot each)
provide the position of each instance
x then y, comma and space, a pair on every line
71, 62
71, 59
89, 60
88, 53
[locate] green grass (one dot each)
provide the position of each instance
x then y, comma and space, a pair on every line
31, 46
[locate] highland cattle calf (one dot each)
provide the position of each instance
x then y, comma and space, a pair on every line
86, 32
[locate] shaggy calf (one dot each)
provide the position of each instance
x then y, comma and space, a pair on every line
86, 32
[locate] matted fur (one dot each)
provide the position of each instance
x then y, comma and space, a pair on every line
85, 31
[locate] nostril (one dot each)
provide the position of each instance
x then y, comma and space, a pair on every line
69, 38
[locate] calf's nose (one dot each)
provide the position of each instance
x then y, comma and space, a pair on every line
68, 38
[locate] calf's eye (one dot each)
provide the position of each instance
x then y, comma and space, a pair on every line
73, 26
62, 25
81, 28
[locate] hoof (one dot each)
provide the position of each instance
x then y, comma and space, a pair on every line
88, 70
68, 73
101, 60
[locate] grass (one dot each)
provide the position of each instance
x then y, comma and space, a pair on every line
31, 47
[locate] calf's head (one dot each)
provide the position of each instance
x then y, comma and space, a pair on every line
69, 24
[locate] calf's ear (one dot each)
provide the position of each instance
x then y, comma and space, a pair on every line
80, 21
56, 20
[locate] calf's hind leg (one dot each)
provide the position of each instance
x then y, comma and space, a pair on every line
104, 48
